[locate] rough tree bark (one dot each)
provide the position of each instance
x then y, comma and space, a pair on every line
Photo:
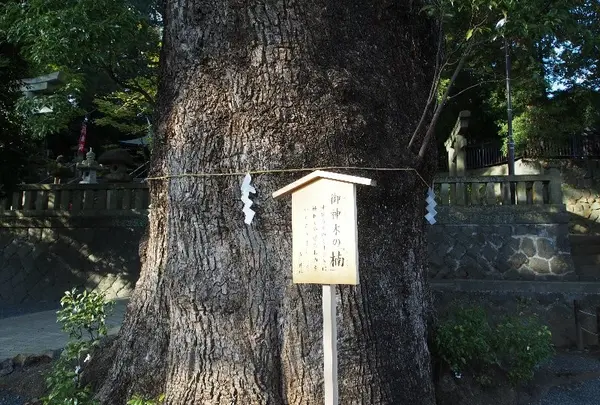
270, 84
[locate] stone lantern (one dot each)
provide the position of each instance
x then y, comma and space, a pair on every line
89, 167
117, 162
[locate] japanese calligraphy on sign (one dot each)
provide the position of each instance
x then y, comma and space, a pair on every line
324, 233
324, 229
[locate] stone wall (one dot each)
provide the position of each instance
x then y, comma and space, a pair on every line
581, 194
41, 257
501, 243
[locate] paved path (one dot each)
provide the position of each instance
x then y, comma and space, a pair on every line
38, 332
584, 392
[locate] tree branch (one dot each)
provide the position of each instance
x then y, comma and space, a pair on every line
434, 86
134, 87
443, 101
473, 86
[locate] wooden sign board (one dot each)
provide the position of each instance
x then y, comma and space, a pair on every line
324, 229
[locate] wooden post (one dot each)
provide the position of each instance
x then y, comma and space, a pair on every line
100, 203
65, 199
330, 345
473, 195
138, 199
39, 199
445, 194
51, 198
578, 331
88, 199
127, 198
490, 193
77, 201
28, 200
111, 199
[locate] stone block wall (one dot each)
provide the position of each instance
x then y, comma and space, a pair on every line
581, 193
501, 243
40, 258
506, 252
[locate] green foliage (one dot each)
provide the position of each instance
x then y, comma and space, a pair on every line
557, 119
63, 383
140, 400
63, 103
520, 344
467, 341
127, 111
84, 314
107, 49
78, 33
553, 47
83, 317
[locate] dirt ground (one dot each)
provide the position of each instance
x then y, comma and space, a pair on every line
28, 383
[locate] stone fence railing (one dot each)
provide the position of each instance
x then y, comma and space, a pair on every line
496, 190
92, 199
49, 199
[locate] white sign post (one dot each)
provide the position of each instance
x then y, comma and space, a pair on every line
325, 248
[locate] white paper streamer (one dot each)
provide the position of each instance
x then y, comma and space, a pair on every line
247, 188
431, 204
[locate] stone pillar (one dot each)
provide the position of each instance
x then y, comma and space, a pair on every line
451, 167
460, 144
451, 158
457, 157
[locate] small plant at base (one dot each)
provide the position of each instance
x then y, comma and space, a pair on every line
139, 400
83, 317
515, 345
465, 339
84, 313
522, 343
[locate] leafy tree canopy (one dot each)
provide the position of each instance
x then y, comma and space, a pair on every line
554, 47
107, 49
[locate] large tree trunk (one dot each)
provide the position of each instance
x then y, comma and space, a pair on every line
250, 85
